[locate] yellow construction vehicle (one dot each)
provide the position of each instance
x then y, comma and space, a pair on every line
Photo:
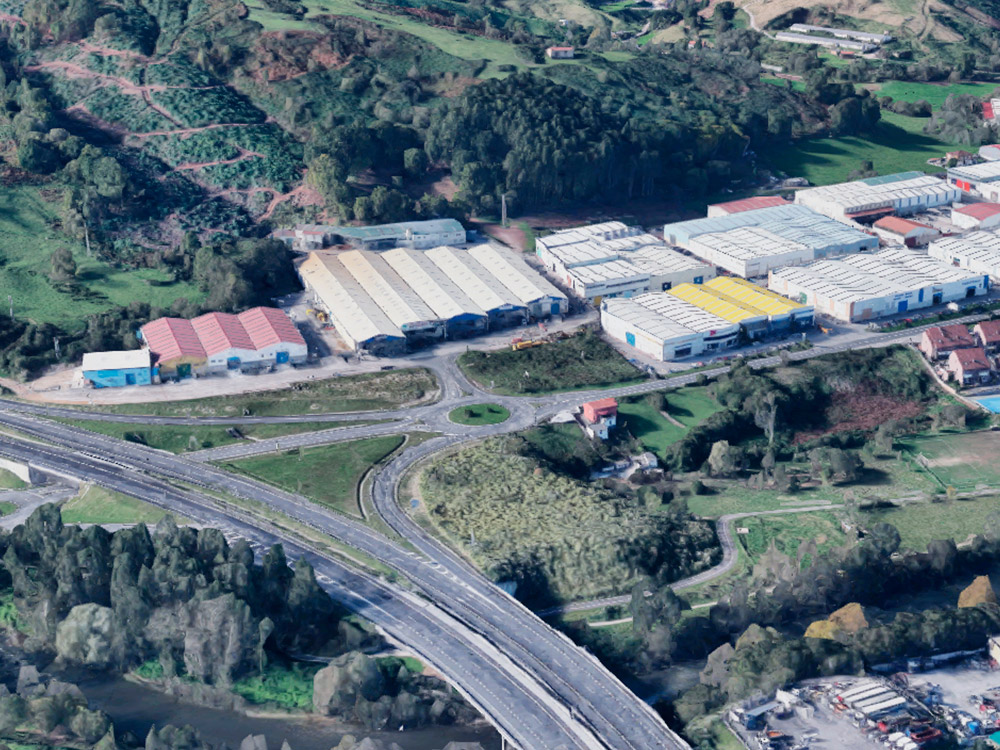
525, 345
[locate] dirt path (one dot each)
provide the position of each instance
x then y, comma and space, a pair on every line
243, 156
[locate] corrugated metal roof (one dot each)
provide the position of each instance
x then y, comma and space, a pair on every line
988, 171
750, 204
390, 231
526, 284
899, 225
433, 285
219, 332
466, 272
716, 303
978, 251
352, 309
268, 326
887, 179
748, 293
661, 260
751, 243
666, 317
611, 270
170, 338
979, 210
397, 300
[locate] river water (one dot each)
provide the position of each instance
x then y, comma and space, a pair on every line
136, 708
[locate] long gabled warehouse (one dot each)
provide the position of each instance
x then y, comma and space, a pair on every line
902, 193
665, 327
536, 293
499, 303
865, 286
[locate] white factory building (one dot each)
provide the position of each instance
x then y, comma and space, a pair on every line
825, 41
873, 197
976, 252
978, 179
788, 234
615, 260
866, 286
750, 251
665, 327
386, 302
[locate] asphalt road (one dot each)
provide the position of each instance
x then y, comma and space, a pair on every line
541, 670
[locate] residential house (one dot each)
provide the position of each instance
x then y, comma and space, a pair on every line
560, 53
961, 158
987, 335
599, 417
940, 341
969, 366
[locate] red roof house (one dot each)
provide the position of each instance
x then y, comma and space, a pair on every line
595, 411
940, 341
988, 334
969, 366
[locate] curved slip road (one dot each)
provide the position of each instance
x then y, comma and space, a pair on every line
603, 713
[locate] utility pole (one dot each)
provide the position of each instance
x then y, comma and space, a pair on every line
86, 236
55, 342
503, 210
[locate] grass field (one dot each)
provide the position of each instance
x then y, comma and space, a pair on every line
287, 686
377, 390
328, 474
920, 523
479, 414
11, 481
183, 438
935, 94
98, 505
787, 532
579, 362
963, 460
6, 508
689, 406
897, 145
27, 241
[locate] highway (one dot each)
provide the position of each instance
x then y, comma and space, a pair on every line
573, 700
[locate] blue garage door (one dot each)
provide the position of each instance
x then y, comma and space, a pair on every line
233, 363
555, 308
281, 357
902, 306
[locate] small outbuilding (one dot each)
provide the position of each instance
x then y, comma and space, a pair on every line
560, 53
976, 215
119, 368
904, 231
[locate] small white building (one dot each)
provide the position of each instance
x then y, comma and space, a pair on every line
560, 53
749, 251
976, 215
865, 286
990, 152
665, 327
899, 231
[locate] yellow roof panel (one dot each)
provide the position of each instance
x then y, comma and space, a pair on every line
753, 295
713, 302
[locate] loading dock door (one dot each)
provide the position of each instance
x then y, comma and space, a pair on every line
184, 371
901, 307
281, 358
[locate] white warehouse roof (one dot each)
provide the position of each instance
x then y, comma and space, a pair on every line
352, 309
976, 251
441, 294
876, 192
119, 360
660, 260
792, 222
749, 243
482, 287
403, 306
862, 276
666, 317
584, 252
526, 284
988, 171
613, 269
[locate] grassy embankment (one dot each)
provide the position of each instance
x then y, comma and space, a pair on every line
686, 407
328, 474
183, 438
370, 391
11, 481
479, 414
27, 240
580, 362
99, 505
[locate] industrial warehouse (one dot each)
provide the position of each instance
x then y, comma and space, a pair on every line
864, 286
977, 179
695, 318
389, 302
871, 198
780, 235
218, 342
976, 252
614, 260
